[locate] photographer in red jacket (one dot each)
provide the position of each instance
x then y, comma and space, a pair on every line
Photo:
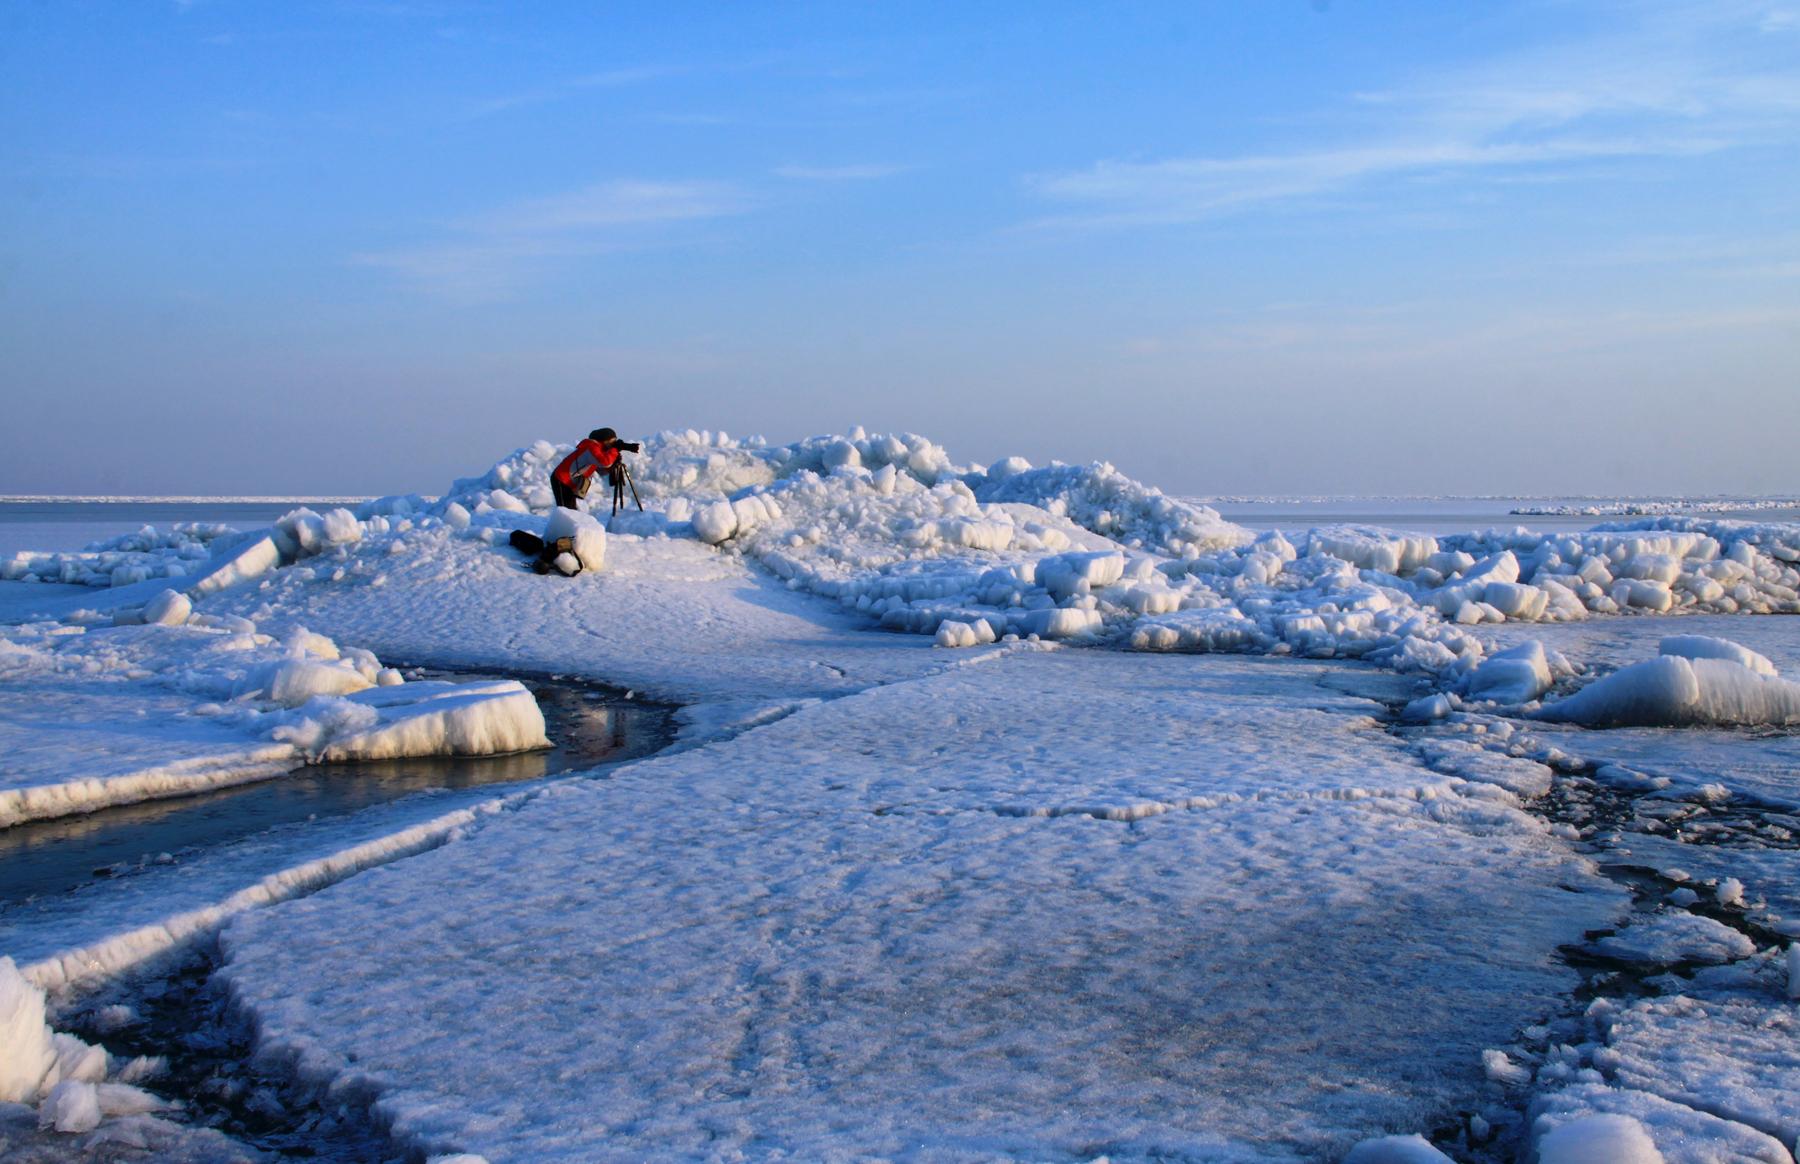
570, 481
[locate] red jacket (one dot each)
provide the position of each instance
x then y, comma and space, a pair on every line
588, 458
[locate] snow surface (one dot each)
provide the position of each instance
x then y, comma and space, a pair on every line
880, 926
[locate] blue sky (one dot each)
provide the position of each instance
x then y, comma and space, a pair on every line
1250, 247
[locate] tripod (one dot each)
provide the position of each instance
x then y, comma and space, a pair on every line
621, 480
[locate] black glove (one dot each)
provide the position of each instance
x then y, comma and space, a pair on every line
629, 446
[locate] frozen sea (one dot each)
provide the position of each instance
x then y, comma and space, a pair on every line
38, 524
1449, 515
41, 524
1004, 816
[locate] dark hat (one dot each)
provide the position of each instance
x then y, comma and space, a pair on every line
603, 435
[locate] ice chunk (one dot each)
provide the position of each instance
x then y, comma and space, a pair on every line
587, 534
1413, 1149
29, 1055
1646, 595
291, 682
1678, 936
170, 608
1599, 1139
1516, 600
1517, 675
951, 633
1427, 708
1672, 691
341, 527
256, 558
1374, 549
1501, 1069
1708, 647
715, 523
34, 1060
72, 1106
1069, 574
841, 454
1060, 622
434, 718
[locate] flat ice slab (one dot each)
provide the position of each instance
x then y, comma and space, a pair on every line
1049, 905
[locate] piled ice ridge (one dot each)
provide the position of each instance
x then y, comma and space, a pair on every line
133, 557
889, 526
1696, 680
290, 700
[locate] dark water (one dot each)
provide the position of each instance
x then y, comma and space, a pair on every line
589, 725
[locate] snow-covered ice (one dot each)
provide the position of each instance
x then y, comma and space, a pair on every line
167, 707
927, 877
1677, 936
951, 939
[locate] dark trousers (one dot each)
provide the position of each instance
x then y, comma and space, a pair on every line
564, 494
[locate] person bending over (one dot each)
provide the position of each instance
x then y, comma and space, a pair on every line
571, 480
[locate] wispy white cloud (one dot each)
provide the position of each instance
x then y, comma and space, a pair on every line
618, 78
1681, 79
494, 254
867, 172
609, 204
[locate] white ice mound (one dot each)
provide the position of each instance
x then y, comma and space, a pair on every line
241, 564
291, 682
1517, 675
588, 535
715, 523
135, 557
1100, 498
169, 608
426, 718
1673, 691
1708, 647
1396, 1150
1599, 1139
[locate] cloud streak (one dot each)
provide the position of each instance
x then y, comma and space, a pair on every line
1687, 79
867, 172
620, 78
492, 255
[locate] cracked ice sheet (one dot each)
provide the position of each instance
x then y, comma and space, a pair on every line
153, 893
96, 743
1754, 762
1728, 1051
734, 952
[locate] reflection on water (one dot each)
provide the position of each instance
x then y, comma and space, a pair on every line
588, 725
